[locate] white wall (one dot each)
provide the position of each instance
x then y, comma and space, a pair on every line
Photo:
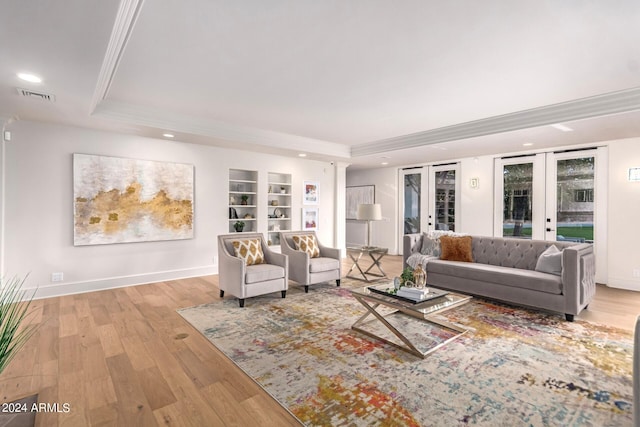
39, 207
624, 215
383, 233
477, 203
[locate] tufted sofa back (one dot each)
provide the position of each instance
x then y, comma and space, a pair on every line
515, 253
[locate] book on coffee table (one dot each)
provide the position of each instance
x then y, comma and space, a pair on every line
414, 295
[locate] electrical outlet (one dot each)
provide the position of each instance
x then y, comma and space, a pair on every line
636, 273
57, 277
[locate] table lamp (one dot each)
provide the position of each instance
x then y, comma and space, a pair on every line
369, 212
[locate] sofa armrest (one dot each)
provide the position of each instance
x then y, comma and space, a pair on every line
231, 272
578, 277
412, 243
299, 261
328, 252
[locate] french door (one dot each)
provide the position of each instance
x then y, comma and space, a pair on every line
430, 198
554, 196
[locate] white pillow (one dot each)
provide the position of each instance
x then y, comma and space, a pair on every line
550, 261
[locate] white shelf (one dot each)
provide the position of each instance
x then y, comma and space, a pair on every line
241, 192
242, 219
243, 206
243, 181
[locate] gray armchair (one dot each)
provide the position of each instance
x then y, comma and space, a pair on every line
307, 270
245, 281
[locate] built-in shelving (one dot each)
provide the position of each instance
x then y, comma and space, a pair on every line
243, 199
278, 206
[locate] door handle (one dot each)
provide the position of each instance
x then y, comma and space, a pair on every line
548, 229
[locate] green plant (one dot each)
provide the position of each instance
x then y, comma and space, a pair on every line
407, 275
239, 225
244, 197
14, 311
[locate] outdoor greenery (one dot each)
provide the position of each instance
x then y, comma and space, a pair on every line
14, 311
585, 232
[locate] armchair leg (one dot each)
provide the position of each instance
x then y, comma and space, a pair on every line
284, 294
221, 293
241, 302
569, 317
338, 283
306, 289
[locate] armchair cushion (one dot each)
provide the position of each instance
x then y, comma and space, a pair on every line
249, 250
307, 243
320, 264
262, 273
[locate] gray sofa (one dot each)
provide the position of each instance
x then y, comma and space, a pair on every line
504, 269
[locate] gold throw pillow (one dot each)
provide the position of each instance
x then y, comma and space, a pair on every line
307, 243
249, 250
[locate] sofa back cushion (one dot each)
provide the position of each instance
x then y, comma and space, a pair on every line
515, 253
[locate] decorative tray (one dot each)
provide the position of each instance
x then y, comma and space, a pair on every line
433, 293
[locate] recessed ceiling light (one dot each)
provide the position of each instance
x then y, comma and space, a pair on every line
384, 163
28, 77
527, 144
562, 127
168, 135
302, 155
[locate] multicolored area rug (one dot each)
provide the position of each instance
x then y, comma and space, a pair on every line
513, 368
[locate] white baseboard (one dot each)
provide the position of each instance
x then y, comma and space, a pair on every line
619, 283
62, 289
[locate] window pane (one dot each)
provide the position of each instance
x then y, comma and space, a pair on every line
517, 206
575, 178
412, 193
445, 200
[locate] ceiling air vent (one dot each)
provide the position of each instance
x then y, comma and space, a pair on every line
39, 95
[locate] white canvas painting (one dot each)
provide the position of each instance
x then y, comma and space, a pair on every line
120, 200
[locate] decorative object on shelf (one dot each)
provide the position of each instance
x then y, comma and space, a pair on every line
239, 226
277, 213
233, 214
311, 193
420, 276
245, 199
248, 216
232, 200
270, 189
283, 190
309, 218
274, 203
369, 212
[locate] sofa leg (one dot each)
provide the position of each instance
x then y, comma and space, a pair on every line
221, 293
338, 283
241, 302
284, 294
569, 317
306, 289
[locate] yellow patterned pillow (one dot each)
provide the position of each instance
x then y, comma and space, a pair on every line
249, 250
307, 243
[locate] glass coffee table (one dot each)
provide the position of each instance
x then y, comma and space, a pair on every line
374, 298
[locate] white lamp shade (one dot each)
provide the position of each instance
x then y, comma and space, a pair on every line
369, 212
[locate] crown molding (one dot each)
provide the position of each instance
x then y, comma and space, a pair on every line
217, 130
126, 18
594, 106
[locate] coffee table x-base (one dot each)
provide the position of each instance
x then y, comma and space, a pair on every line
423, 311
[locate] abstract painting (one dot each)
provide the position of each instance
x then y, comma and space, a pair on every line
120, 200
311, 193
357, 195
309, 218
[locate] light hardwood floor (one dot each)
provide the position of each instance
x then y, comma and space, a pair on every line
125, 357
